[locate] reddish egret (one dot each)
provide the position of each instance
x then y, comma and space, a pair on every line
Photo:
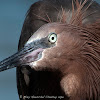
59, 51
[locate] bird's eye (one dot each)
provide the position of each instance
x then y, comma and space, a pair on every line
52, 38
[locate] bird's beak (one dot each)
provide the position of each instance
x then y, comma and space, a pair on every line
29, 53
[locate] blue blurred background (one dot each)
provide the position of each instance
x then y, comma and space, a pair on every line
12, 15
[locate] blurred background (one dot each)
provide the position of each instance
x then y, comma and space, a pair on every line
12, 15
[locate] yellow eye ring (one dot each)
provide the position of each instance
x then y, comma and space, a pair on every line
52, 38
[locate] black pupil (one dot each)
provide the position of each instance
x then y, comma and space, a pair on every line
52, 38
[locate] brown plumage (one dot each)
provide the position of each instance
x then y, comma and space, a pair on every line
81, 48
69, 66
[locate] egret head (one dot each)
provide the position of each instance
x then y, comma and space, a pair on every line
60, 45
